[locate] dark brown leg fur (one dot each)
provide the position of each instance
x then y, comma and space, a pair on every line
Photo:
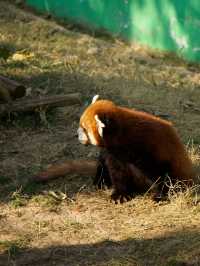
126, 179
102, 178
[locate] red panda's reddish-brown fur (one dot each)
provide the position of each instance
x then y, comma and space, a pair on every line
146, 141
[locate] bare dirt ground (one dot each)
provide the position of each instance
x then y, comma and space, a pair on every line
67, 222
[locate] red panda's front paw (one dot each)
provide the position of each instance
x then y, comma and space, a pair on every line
120, 197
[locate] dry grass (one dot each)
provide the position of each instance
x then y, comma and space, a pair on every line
67, 222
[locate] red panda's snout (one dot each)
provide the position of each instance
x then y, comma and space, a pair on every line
82, 136
86, 137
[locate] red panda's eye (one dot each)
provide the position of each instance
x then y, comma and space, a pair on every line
84, 129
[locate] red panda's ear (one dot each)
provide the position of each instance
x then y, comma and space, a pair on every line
95, 98
100, 125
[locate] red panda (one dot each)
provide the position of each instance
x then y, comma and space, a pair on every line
141, 148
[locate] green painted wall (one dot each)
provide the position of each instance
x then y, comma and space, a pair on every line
172, 25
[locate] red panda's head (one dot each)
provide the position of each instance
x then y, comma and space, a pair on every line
93, 122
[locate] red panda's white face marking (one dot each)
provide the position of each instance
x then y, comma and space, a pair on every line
92, 138
100, 125
82, 137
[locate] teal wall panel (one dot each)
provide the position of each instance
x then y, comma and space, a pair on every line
170, 25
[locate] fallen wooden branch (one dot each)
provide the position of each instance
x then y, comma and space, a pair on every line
10, 89
81, 167
43, 103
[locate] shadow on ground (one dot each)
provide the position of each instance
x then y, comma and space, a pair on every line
165, 250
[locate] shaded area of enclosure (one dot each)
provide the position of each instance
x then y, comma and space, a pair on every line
164, 250
167, 25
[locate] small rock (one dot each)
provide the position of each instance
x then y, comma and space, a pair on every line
92, 51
